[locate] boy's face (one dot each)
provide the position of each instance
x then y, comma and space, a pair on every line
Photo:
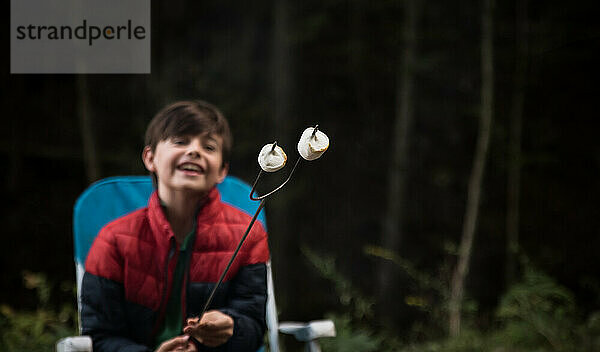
187, 163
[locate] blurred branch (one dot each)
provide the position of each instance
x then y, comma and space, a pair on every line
476, 178
349, 296
394, 215
423, 279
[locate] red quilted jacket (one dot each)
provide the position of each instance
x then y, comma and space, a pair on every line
129, 272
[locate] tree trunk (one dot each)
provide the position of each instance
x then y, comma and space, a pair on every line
476, 177
398, 172
90, 156
282, 122
513, 187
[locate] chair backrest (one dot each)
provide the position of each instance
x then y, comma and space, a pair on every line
113, 197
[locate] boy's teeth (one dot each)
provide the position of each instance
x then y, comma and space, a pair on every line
190, 167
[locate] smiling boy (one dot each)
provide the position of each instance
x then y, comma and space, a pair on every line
149, 273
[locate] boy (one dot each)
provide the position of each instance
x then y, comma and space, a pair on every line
149, 273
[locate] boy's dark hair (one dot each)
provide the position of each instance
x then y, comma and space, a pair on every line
186, 118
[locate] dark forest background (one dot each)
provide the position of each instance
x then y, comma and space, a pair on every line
371, 234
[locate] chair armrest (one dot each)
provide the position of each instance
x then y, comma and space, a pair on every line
74, 344
306, 332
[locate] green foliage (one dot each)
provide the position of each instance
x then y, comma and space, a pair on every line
359, 306
351, 332
534, 315
538, 312
423, 279
430, 295
589, 333
37, 330
349, 338
468, 341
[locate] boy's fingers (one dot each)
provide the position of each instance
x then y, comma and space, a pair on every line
214, 320
191, 326
213, 329
191, 347
214, 338
210, 326
213, 332
193, 321
180, 341
194, 332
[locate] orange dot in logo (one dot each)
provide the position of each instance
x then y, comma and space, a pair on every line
108, 31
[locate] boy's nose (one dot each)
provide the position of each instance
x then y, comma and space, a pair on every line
193, 153
194, 149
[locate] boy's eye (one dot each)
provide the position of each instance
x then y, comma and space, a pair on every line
179, 141
210, 147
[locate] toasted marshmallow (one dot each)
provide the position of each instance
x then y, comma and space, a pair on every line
271, 160
312, 147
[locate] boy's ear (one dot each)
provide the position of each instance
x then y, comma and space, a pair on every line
148, 159
223, 172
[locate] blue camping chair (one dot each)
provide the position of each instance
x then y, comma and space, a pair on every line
113, 197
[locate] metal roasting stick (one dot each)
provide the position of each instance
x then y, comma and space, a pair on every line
262, 199
276, 189
260, 206
214, 290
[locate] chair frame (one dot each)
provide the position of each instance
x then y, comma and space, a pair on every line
233, 191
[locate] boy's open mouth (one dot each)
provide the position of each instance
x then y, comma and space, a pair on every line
191, 168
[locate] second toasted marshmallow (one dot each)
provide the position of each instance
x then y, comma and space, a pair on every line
312, 147
271, 160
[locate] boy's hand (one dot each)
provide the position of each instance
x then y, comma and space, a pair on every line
178, 344
214, 329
